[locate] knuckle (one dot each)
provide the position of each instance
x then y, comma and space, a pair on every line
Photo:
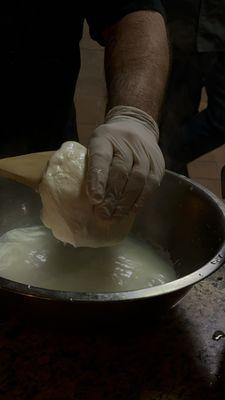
99, 156
101, 131
98, 131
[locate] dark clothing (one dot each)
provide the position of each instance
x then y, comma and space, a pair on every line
196, 25
186, 134
198, 61
41, 60
211, 26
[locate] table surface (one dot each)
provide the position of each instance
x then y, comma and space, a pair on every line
175, 359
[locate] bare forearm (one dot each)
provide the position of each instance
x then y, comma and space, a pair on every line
137, 62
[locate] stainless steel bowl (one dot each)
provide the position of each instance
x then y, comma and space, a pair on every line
183, 217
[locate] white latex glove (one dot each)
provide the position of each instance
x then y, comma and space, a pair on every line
125, 162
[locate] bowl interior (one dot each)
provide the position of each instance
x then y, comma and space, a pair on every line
186, 220
181, 218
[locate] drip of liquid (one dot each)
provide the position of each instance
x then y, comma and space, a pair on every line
218, 335
34, 257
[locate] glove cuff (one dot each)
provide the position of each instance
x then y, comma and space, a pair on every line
128, 112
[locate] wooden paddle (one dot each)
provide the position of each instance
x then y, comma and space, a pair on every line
27, 169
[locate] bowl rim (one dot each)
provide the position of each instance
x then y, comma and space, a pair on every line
181, 283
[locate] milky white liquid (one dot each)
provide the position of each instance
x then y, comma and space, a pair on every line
32, 256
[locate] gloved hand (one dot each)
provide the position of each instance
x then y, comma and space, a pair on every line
125, 162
